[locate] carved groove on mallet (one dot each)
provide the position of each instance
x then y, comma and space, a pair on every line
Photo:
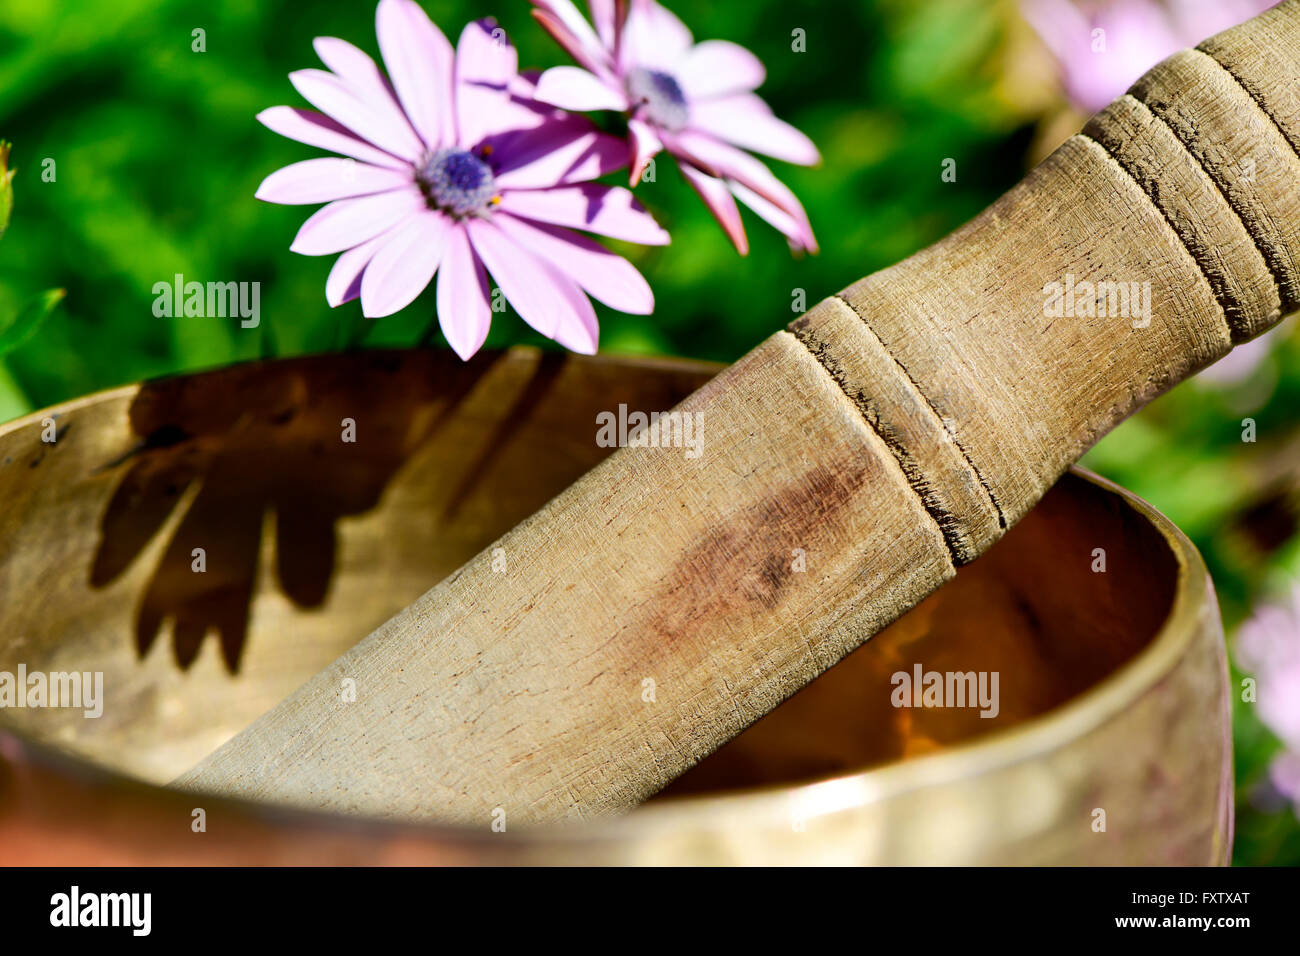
1215, 117
937, 469
1131, 135
988, 490
1251, 52
1230, 303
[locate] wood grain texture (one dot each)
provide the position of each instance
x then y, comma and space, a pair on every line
1196, 208
893, 433
524, 689
1241, 147
1260, 54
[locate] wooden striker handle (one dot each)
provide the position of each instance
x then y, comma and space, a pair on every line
1188, 186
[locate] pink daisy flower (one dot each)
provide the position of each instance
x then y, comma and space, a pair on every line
1268, 645
694, 100
1103, 46
451, 167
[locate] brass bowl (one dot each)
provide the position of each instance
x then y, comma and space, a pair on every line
1110, 745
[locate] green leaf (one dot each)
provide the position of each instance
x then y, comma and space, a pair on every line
29, 317
6, 188
13, 400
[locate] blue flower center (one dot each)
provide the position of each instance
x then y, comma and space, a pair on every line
456, 181
660, 97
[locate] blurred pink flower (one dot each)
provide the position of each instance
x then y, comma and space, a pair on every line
1268, 646
1245, 364
1103, 46
1241, 362
694, 100
453, 168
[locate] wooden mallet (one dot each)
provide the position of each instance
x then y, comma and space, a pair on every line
847, 466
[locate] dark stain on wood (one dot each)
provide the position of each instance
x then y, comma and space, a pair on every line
745, 567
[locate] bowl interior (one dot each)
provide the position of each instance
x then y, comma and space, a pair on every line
1032, 611
209, 542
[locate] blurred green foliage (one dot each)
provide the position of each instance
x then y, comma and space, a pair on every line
137, 158
156, 156
1236, 500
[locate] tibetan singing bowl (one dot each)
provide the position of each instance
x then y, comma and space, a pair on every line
209, 542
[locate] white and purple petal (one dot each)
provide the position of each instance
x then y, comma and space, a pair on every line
579, 330
605, 275
798, 232
344, 282
719, 200
735, 164
573, 88
363, 78
317, 129
718, 68
562, 20
539, 292
420, 62
464, 296
349, 222
746, 121
329, 94
328, 178
485, 63
607, 16
653, 37
567, 150
607, 210
403, 266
